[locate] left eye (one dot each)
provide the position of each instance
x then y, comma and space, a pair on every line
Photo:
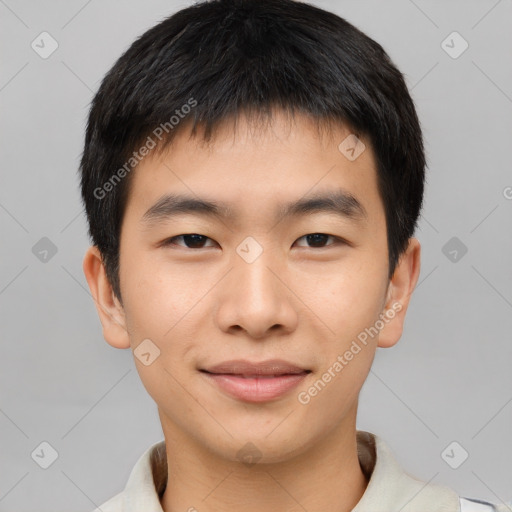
319, 239
196, 241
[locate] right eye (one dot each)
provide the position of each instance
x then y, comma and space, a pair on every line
192, 241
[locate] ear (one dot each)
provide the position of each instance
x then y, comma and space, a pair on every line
109, 308
400, 289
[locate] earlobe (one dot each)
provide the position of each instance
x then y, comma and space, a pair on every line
400, 289
109, 309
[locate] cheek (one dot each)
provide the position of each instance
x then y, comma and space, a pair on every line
153, 301
350, 308
348, 297
160, 307
166, 304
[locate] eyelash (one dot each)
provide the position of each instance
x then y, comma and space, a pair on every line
169, 242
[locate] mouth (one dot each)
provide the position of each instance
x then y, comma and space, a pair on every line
255, 382
268, 368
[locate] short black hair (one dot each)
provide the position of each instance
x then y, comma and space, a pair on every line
216, 59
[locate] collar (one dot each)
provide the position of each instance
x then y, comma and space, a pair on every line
389, 487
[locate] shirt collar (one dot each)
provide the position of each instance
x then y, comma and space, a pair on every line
389, 487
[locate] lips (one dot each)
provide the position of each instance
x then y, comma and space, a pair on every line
269, 368
255, 382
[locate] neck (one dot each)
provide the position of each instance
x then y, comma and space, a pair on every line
327, 476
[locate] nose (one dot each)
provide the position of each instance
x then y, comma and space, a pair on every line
255, 298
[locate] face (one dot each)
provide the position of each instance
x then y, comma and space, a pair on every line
252, 278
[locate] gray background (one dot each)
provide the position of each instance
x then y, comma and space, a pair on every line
448, 379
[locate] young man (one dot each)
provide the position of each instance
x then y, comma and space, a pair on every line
253, 173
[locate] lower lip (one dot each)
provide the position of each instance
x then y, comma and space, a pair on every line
255, 389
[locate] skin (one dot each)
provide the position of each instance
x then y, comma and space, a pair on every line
296, 301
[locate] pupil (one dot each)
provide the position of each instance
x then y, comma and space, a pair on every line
197, 240
316, 238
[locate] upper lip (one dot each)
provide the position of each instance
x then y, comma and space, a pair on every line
244, 367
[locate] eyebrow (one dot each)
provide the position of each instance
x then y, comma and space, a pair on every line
338, 202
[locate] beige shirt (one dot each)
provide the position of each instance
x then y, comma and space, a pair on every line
390, 489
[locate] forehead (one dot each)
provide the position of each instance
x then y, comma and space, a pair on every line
258, 168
